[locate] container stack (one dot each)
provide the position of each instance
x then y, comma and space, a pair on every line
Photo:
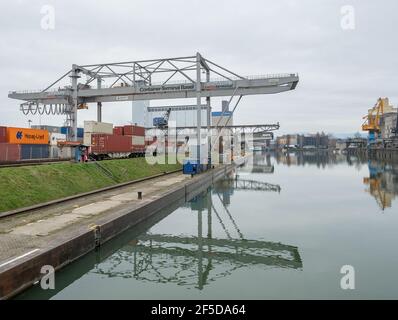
27, 144
115, 142
23, 144
3, 134
118, 131
107, 143
50, 129
80, 132
137, 135
94, 127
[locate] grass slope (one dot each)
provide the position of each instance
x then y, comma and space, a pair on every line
26, 186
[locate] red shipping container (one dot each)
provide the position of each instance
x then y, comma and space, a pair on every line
3, 134
138, 148
118, 131
106, 143
10, 152
134, 131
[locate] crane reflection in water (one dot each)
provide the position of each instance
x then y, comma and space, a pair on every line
196, 261
382, 182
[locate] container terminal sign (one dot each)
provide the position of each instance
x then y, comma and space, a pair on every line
179, 87
189, 86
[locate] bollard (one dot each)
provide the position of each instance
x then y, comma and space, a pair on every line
140, 195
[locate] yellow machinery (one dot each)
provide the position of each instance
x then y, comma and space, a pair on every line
82, 106
383, 198
372, 122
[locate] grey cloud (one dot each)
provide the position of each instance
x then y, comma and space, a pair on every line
342, 72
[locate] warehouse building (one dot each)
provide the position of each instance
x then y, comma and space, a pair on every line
388, 122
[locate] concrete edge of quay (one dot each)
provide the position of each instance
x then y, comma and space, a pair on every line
20, 275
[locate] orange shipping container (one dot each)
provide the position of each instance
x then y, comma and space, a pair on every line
27, 136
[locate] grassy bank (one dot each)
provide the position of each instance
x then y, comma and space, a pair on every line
26, 186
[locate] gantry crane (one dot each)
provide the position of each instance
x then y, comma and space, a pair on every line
169, 78
372, 119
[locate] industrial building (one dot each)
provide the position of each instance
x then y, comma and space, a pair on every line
304, 141
388, 123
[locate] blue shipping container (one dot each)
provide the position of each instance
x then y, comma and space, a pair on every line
80, 131
34, 151
159, 121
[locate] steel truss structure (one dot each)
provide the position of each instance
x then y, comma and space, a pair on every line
255, 129
170, 78
252, 185
175, 108
197, 261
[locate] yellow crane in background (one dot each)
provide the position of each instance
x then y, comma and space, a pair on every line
82, 106
372, 119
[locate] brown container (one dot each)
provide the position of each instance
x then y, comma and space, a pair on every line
106, 143
10, 152
118, 131
3, 134
134, 131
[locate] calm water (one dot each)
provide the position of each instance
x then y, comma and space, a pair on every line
282, 229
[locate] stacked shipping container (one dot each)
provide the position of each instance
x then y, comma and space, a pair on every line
93, 127
65, 130
27, 136
117, 141
3, 134
118, 131
34, 151
23, 144
106, 143
10, 152
134, 131
137, 135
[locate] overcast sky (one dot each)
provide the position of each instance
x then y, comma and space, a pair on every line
342, 71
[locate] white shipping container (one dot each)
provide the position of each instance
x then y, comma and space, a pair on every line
55, 137
87, 139
54, 152
98, 127
66, 153
137, 140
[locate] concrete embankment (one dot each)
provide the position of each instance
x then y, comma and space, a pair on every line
60, 234
376, 154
